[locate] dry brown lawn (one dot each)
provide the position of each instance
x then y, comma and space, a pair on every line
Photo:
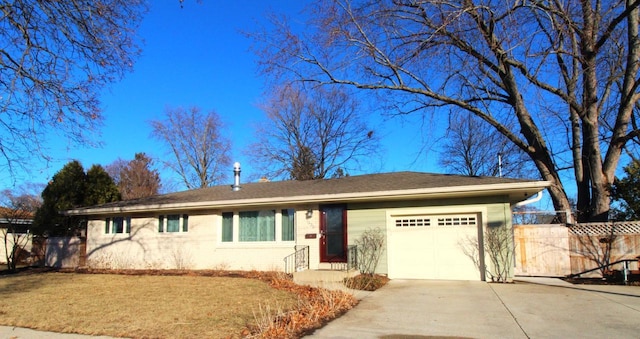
137, 306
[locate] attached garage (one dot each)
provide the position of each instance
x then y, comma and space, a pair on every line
433, 246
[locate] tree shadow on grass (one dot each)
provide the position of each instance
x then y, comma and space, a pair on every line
23, 279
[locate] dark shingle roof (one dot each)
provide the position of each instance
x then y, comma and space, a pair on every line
279, 190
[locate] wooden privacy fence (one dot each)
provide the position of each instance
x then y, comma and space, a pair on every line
560, 250
65, 252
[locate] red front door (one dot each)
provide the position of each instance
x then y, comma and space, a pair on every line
333, 233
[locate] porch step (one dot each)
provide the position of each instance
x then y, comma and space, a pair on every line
315, 277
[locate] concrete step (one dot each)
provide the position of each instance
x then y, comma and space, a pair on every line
311, 277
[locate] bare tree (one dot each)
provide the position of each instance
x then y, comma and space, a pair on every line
195, 140
558, 69
311, 134
304, 165
473, 148
135, 179
115, 168
16, 214
56, 59
497, 244
370, 248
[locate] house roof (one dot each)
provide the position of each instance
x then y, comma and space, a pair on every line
370, 187
15, 216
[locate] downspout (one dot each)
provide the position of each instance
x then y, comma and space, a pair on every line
536, 198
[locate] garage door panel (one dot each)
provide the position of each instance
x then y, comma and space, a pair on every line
430, 247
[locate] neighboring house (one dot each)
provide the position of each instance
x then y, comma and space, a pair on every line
426, 219
15, 229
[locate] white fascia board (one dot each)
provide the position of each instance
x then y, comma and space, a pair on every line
419, 193
4, 221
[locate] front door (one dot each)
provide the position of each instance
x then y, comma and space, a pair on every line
333, 233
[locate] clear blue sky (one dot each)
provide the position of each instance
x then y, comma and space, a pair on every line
197, 55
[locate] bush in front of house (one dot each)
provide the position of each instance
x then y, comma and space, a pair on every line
366, 282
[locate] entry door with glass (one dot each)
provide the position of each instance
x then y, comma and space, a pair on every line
333, 233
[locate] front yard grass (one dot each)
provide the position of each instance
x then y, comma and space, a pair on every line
137, 305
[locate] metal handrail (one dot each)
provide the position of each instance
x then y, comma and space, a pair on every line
352, 257
345, 264
297, 261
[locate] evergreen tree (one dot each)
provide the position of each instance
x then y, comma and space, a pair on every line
100, 187
626, 192
71, 188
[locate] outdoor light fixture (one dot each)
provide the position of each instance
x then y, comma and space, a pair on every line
309, 213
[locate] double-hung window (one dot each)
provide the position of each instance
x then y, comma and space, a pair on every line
173, 223
117, 225
257, 226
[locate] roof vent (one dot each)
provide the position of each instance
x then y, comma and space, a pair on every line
236, 177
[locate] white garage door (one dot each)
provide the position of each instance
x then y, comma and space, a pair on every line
432, 246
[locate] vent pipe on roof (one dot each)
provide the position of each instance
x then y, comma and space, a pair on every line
236, 177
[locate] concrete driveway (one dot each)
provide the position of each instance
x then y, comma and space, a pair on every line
539, 308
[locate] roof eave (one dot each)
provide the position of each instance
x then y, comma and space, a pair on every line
516, 192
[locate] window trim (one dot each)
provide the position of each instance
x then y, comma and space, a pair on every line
110, 225
163, 223
235, 227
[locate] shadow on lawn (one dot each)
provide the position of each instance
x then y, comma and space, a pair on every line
13, 283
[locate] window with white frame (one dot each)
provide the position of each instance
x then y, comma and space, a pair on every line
173, 223
257, 226
119, 224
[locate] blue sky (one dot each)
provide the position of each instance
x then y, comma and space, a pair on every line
197, 55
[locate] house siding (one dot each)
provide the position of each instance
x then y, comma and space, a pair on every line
360, 220
202, 247
199, 248
494, 211
309, 227
146, 248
